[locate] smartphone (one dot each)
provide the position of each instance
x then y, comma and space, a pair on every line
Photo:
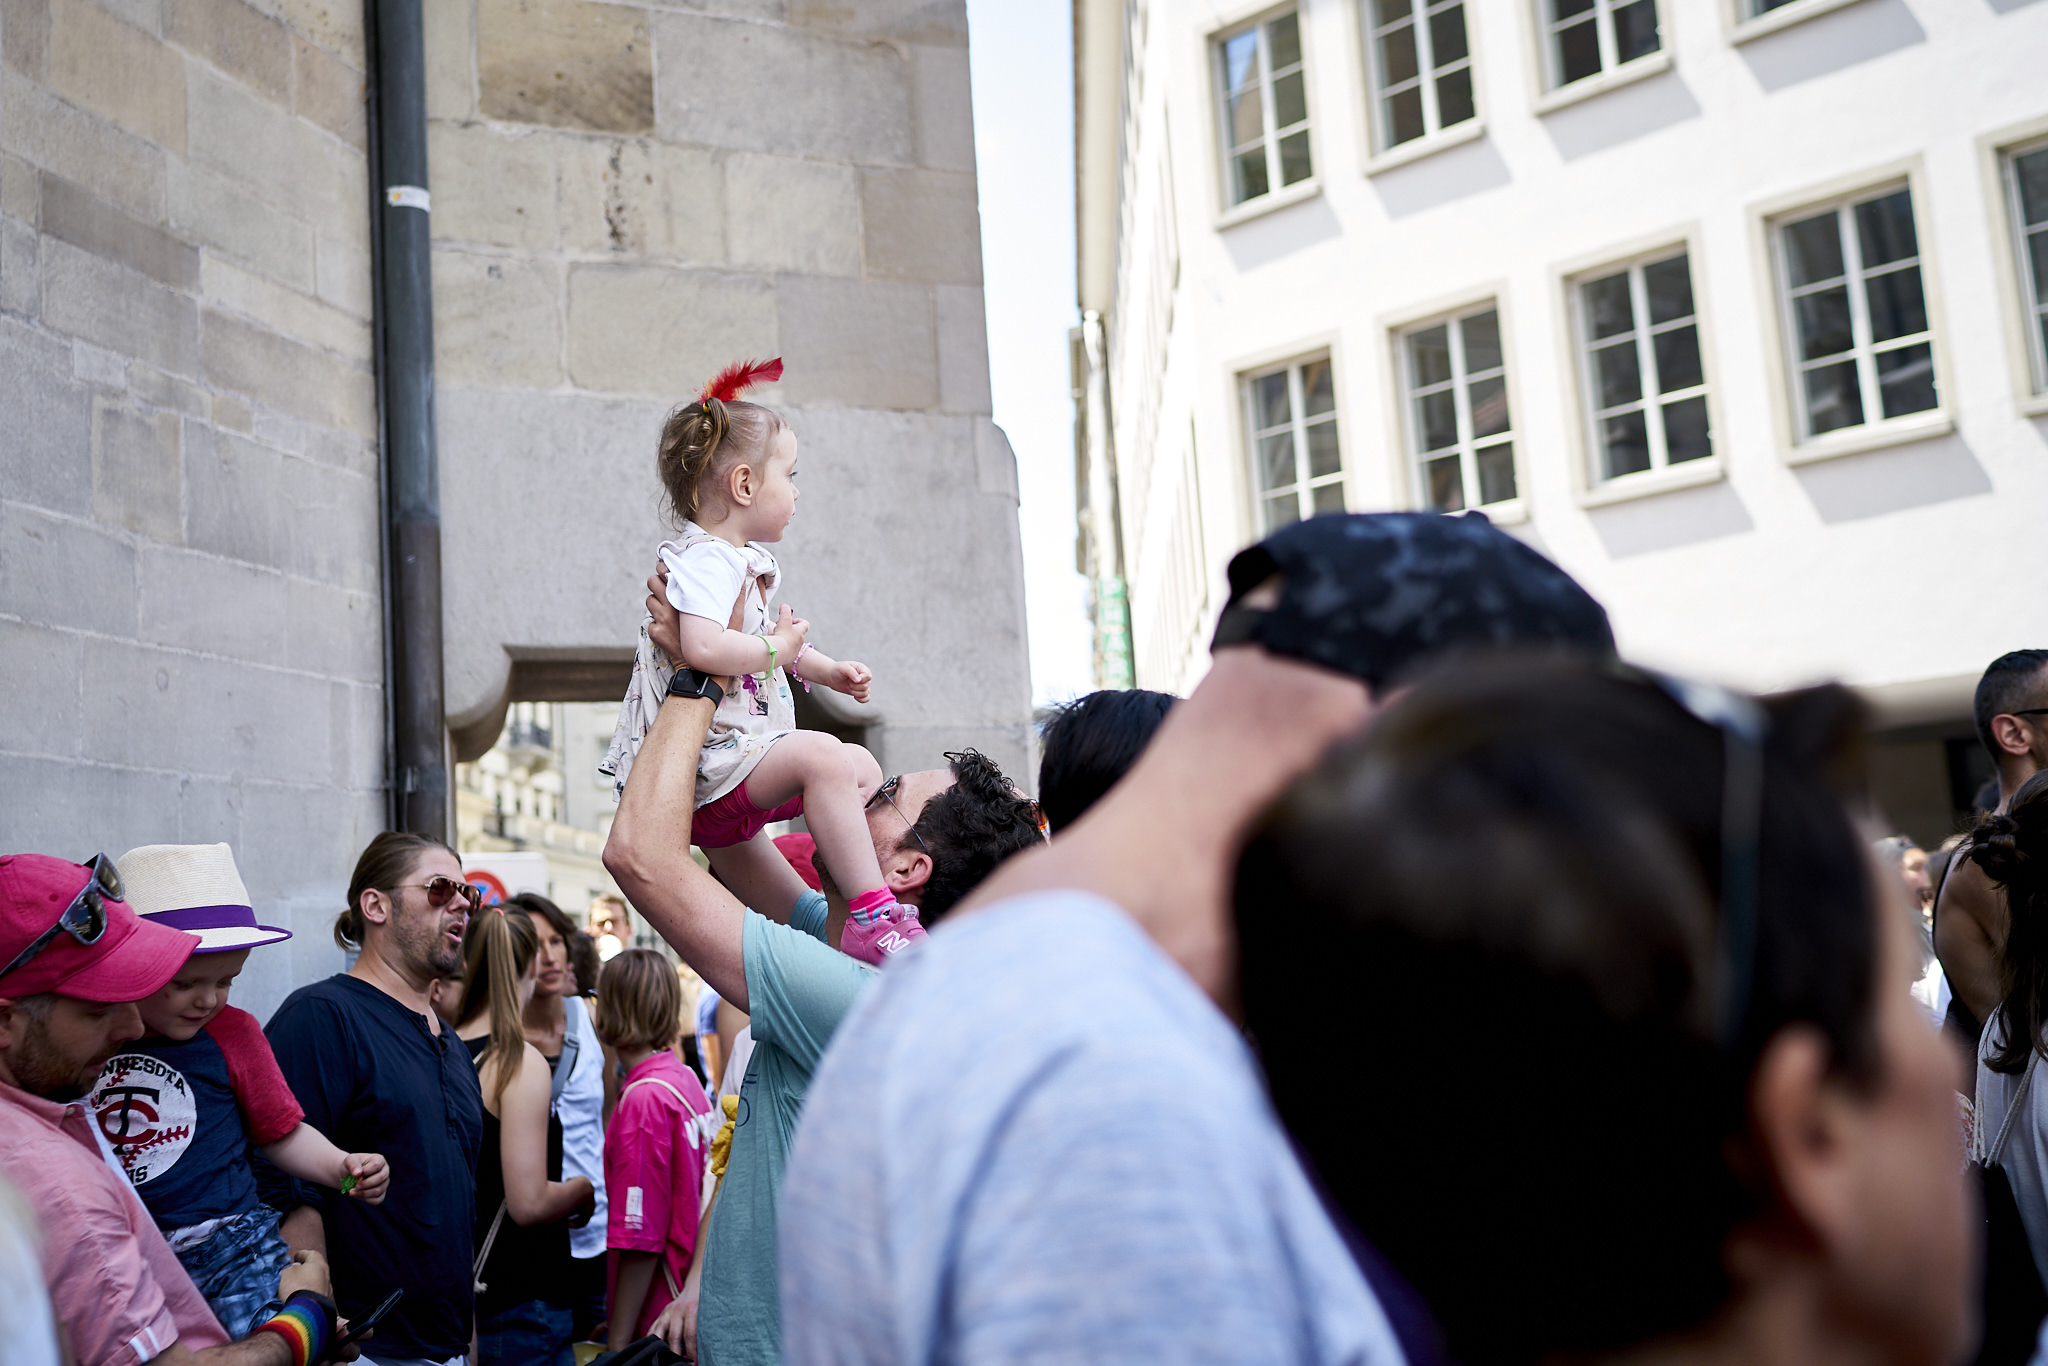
358, 1327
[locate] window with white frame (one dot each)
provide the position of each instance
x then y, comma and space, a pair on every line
1856, 313
1264, 99
1296, 464
1645, 385
2026, 173
1586, 37
1457, 410
1421, 67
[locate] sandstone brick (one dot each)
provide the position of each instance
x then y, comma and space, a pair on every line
118, 167
863, 343
789, 214
44, 665
19, 193
963, 349
945, 109
336, 25
25, 36
72, 214
147, 15
136, 471
648, 330
230, 414
330, 92
288, 312
61, 572
222, 216
97, 365
493, 186
761, 88
643, 198
903, 21
333, 631
342, 275
209, 716
273, 369
497, 321
245, 43
332, 524
921, 225
152, 388
86, 805
250, 141
118, 72
451, 61
107, 303
201, 602
234, 497
21, 269
565, 63
45, 436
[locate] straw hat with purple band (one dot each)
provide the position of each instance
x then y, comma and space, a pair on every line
195, 888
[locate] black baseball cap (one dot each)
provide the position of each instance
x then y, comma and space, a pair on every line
1374, 594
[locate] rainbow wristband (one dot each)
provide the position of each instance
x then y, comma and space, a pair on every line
306, 1323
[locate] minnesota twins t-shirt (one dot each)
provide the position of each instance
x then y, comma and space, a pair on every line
181, 1116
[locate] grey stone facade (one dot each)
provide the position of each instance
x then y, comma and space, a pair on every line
625, 197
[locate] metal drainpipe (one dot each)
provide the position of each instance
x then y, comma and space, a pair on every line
401, 251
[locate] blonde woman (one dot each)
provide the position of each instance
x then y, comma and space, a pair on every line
523, 1207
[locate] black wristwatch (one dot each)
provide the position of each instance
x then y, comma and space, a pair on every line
690, 683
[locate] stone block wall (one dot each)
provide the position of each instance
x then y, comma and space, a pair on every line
629, 196
190, 622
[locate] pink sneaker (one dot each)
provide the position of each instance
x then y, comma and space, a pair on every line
891, 932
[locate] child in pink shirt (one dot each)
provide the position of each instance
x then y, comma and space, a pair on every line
655, 1146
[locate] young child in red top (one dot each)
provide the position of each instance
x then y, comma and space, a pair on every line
182, 1106
655, 1146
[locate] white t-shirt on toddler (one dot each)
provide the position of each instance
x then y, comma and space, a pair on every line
705, 578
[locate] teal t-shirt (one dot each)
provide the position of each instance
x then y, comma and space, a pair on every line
799, 989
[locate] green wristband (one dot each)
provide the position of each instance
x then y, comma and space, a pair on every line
771, 649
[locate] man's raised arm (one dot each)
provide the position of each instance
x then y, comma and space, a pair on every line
649, 851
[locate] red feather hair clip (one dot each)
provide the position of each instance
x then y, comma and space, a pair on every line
740, 376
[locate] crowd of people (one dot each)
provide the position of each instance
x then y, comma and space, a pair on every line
1429, 985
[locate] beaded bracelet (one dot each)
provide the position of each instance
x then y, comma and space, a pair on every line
306, 1323
800, 652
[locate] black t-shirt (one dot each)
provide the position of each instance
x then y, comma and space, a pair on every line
374, 1077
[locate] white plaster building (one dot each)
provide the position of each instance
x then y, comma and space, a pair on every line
1732, 307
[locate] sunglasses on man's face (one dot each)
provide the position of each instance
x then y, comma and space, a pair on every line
442, 890
85, 919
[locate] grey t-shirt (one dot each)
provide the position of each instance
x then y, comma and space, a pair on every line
798, 990
1036, 1140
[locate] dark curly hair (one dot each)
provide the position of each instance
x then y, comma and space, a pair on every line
2012, 849
969, 829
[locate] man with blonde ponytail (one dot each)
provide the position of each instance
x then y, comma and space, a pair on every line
376, 1069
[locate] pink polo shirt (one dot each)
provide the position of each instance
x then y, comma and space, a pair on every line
654, 1153
119, 1294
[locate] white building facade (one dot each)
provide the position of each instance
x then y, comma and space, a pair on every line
1737, 309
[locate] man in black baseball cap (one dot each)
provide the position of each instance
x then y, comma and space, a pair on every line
1037, 1136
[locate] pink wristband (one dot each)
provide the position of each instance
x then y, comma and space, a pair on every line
800, 651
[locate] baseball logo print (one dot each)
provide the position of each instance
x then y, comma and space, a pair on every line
146, 1112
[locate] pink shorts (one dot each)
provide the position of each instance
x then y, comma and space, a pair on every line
734, 819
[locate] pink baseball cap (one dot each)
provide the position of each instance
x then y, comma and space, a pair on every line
131, 959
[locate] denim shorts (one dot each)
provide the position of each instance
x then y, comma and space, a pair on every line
237, 1266
534, 1333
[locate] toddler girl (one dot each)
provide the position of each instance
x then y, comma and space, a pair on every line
728, 468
